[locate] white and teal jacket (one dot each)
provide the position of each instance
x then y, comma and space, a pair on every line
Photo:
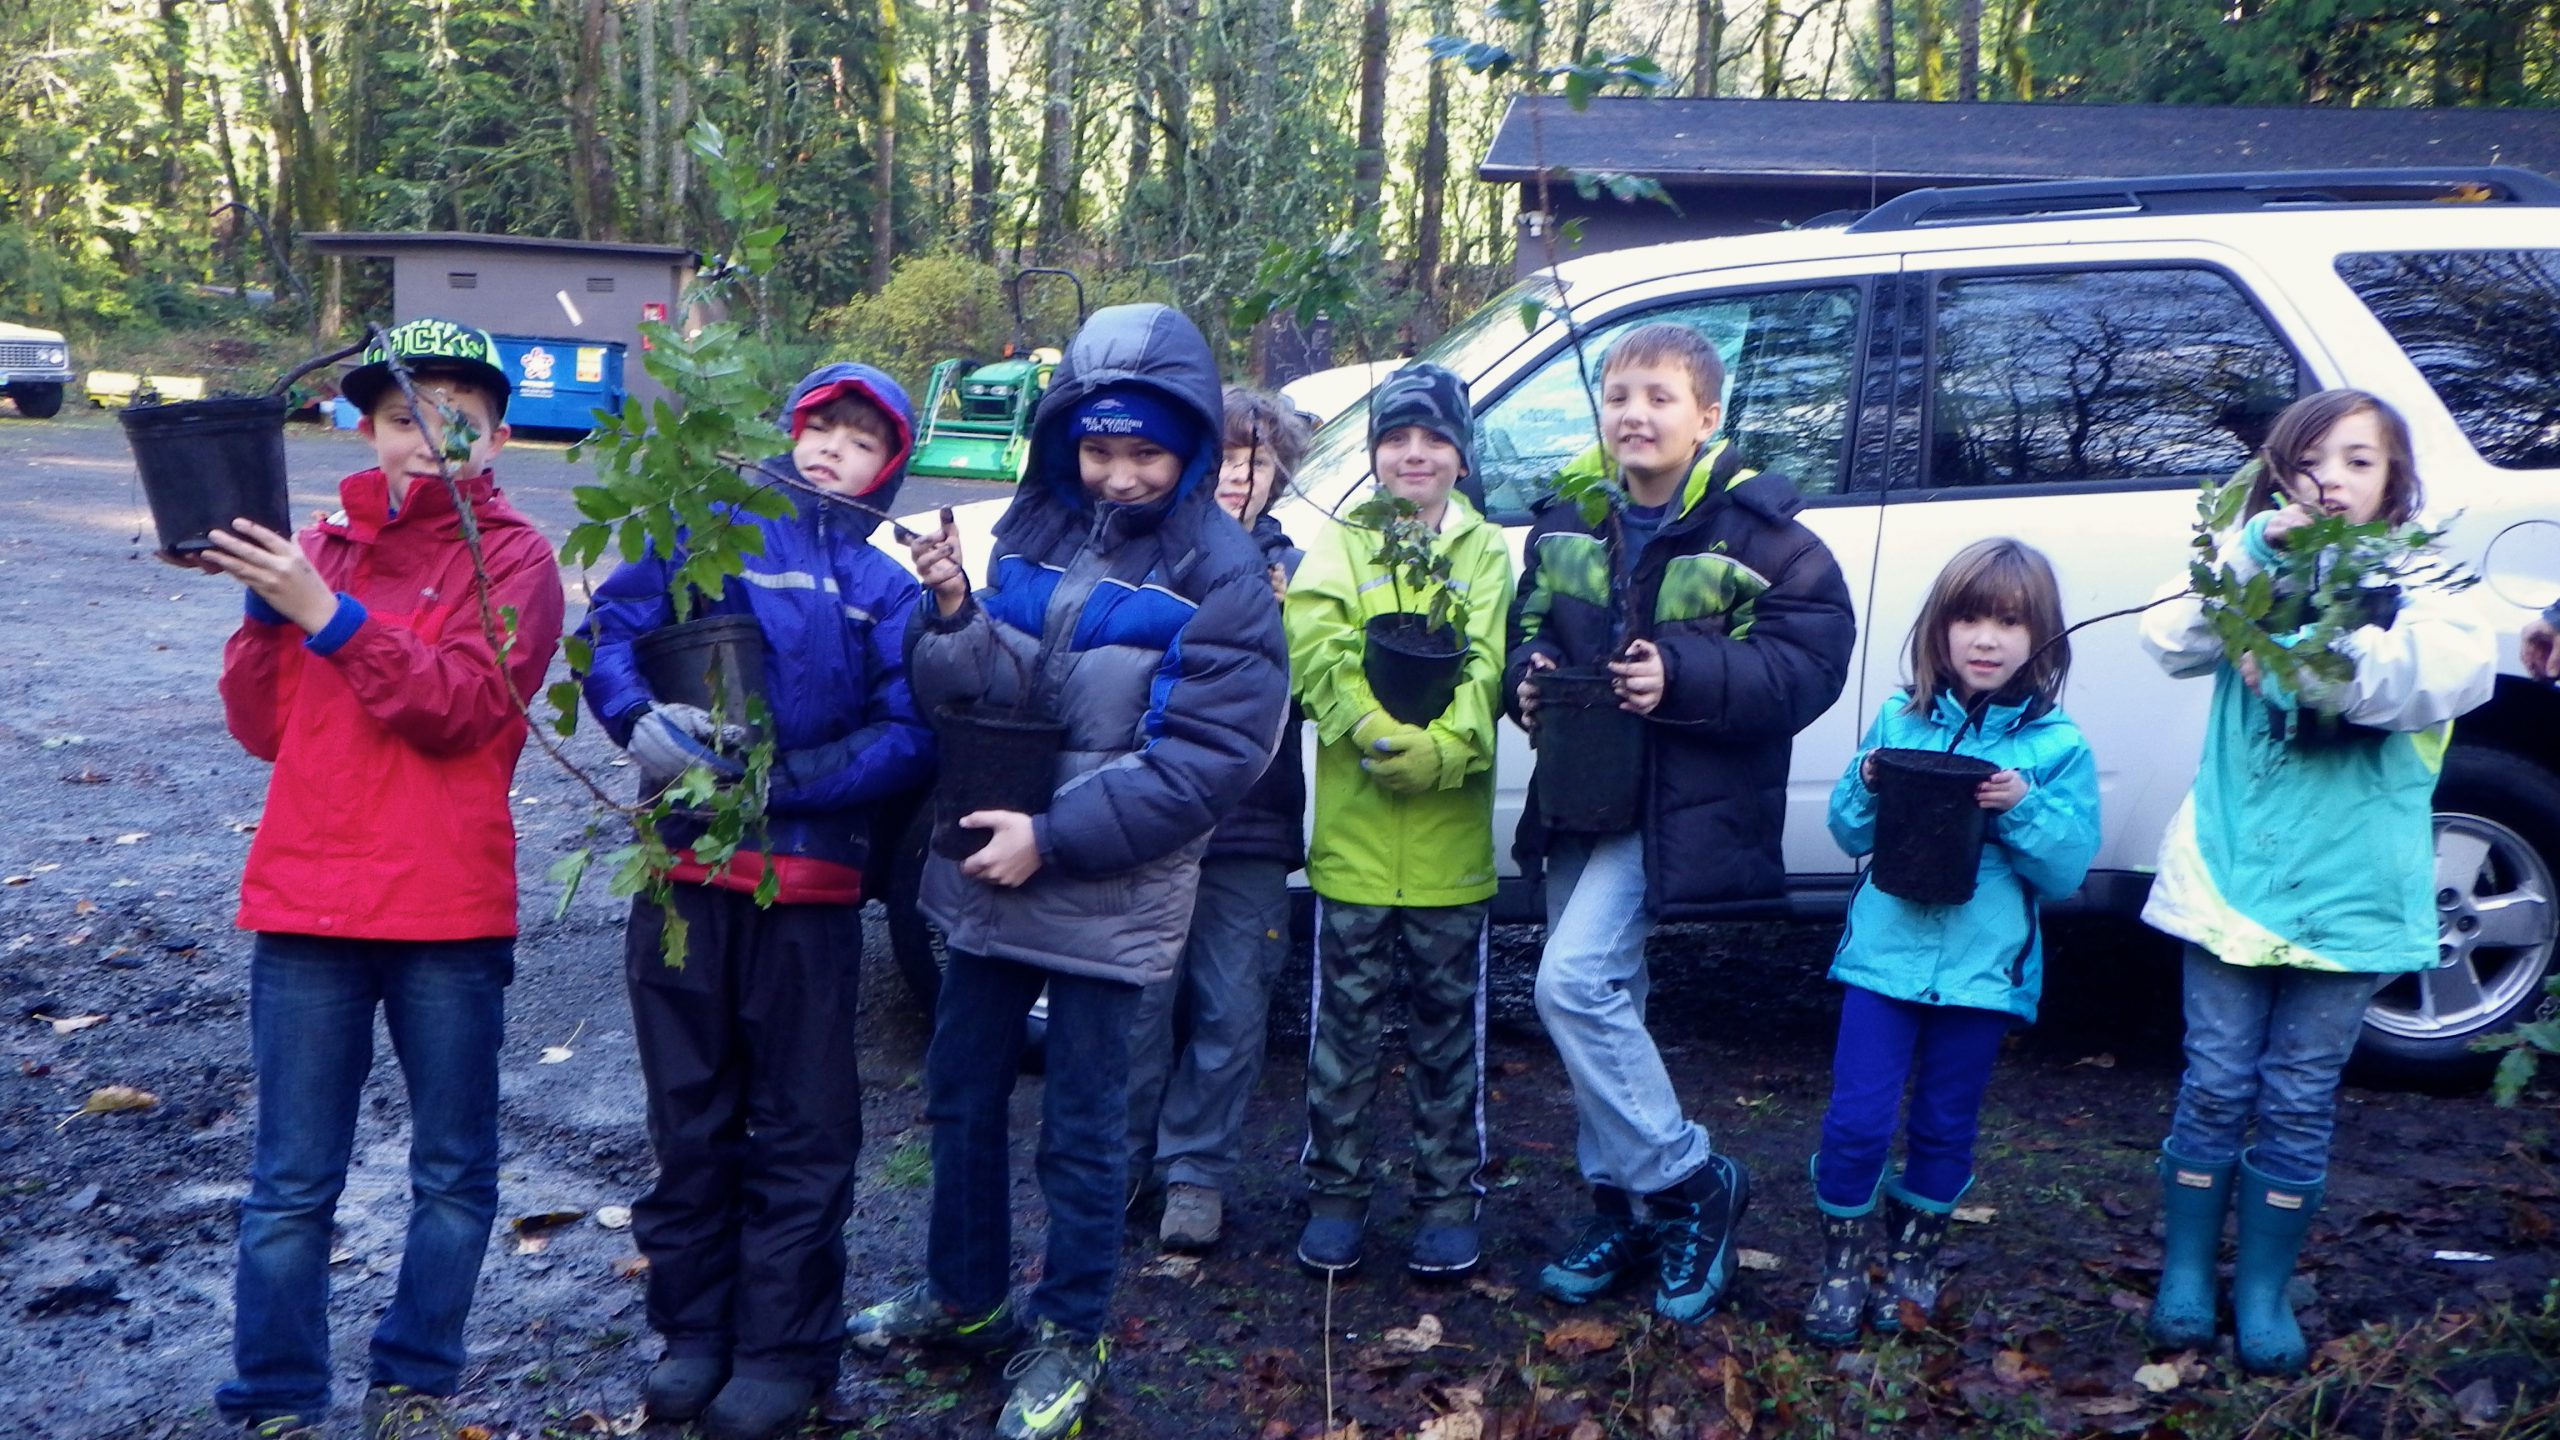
2320, 855
1988, 953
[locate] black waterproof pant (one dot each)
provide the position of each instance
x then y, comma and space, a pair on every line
755, 1111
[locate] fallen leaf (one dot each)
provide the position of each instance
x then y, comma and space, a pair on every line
1456, 1425
56, 742
17, 879
1172, 1267
1586, 1428
2099, 1061
2471, 1257
45, 869
1662, 1422
1421, 1335
1582, 1337
84, 906
532, 1244
341, 1255
475, 1432
244, 827
626, 1266
1759, 1260
2107, 1405
85, 776
72, 1024
133, 837
1975, 1214
2158, 1379
542, 1220
1739, 1405
2012, 1367
614, 1217
2477, 1404
108, 1098
554, 1054
1350, 1431
1492, 1290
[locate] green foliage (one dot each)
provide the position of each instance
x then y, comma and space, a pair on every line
2525, 1046
1417, 565
936, 306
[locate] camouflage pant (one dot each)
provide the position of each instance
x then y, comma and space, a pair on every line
1442, 950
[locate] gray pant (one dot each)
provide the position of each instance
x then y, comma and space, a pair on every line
2266, 1042
1195, 1047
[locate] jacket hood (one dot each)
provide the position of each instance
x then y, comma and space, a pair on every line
873, 385
1155, 346
364, 505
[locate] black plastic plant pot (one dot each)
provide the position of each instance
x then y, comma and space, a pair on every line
1590, 753
716, 663
991, 760
1929, 828
1413, 666
208, 463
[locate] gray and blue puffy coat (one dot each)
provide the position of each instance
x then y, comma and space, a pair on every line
1168, 670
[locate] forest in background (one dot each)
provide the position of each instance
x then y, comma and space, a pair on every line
159, 157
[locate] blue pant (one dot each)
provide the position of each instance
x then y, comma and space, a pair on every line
1197, 1042
969, 1073
1944, 1054
2266, 1041
311, 1005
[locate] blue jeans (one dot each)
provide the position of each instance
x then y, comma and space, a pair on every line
1944, 1054
2266, 1041
969, 1073
311, 1004
1197, 1041
1631, 1131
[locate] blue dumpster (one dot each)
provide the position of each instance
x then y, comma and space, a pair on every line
559, 383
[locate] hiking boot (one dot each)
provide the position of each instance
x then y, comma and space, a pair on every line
2273, 1219
1838, 1309
1193, 1215
914, 1317
680, 1385
396, 1412
1053, 1381
757, 1407
1608, 1247
1445, 1247
2194, 1199
1330, 1245
1913, 1230
1693, 1225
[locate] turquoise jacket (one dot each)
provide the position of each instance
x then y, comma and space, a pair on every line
1988, 953
2318, 855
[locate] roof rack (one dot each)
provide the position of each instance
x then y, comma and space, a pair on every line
2211, 194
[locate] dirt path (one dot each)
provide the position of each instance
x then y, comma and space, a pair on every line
127, 821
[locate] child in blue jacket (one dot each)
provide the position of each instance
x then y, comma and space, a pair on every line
1931, 989
755, 1109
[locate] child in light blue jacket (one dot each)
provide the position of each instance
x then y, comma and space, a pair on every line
1932, 988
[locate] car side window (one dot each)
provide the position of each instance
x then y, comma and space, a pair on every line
2100, 376
2484, 327
1791, 361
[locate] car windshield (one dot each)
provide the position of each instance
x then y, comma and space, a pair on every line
1336, 459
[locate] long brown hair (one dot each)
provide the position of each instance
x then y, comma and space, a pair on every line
2307, 422
2002, 578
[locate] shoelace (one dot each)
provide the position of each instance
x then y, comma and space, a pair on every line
1683, 1250
1601, 1241
1023, 1361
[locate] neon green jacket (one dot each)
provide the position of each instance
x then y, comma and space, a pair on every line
1372, 846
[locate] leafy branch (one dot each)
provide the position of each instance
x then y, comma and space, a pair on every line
1417, 565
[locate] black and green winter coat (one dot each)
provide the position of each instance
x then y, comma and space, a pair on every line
1753, 621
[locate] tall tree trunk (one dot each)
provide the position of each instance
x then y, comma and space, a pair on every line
1369, 161
1969, 50
173, 102
1702, 68
679, 121
1885, 78
1146, 82
592, 184
982, 150
1433, 179
307, 176
2016, 66
884, 173
1928, 42
1773, 47
646, 13
1058, 128
1585, 12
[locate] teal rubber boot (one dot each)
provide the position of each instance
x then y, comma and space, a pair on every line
1838, 1309
1914, 1229
2193, 1200
2274, 1218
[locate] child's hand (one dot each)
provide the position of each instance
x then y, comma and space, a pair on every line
1639, 673
276, 569
1011, 854
2250, 674
1279, 582
2284, 522
2001, 792
1403, 761
937, 558
2540, 650
1527, 691
1867, 769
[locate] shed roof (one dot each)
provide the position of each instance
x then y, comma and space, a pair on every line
386, 242
1822, 141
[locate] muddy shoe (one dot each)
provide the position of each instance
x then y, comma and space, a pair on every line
1609, 1247
1193, 1216
1839, 1305
396, 1412
756, 1407
680, 1385
1693, 1230
914, 1317
1330, 1245
1445, 1247
1913, 1230
1053, 1382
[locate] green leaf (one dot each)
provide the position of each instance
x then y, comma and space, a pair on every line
567, 872
563, 695
2515, 1072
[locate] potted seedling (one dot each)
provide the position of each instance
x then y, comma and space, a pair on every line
1412, 657
207, 463
1590, 747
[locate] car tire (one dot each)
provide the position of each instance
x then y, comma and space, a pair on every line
2497, 848
915, 943
37, 402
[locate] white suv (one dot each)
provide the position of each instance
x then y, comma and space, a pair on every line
2064, 363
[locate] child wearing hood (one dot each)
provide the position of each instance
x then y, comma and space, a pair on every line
1122, 604
747, 1047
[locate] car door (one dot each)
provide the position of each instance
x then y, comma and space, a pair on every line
1794, 341
2077, 406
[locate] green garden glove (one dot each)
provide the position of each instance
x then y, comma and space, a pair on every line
1374, 727
1404, 761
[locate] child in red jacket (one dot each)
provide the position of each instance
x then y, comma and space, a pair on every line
383, 873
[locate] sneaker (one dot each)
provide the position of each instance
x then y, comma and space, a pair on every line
1445, 1247
1193, 1216
1330, 1245
396, 1412
1693, 1235
1053, 1382
1609, 1247
914, 1317
756, 1407
680, 1385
